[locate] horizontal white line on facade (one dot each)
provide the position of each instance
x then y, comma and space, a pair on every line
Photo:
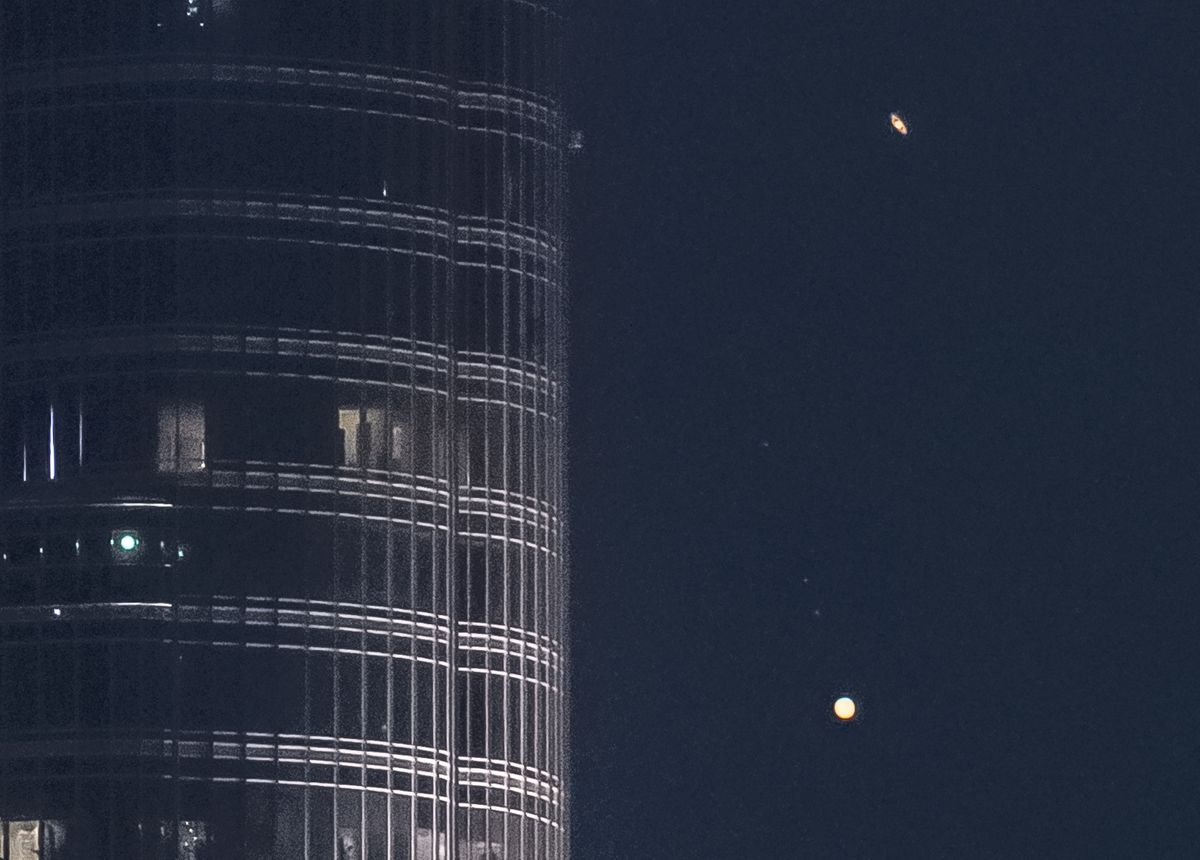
486, 510
432, 663
352, 77
505, 239
40, 610
264, 646
490, 368
502, 644
506, 773
375, 518
507, 404
500, 270
546, 662
522, 813
499, 636
515, 770
119, 505
514, 513
496, 639
505, 787
45, 213
495, 368
500, 673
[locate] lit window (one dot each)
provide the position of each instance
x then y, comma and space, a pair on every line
348, 425
23, 839
362, 434
30, 840
181, 437
425, 845
481, 850
401, 446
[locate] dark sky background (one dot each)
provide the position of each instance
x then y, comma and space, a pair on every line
910, 418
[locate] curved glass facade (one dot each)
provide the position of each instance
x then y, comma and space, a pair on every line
282, 511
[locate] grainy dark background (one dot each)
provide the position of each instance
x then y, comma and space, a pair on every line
912, 418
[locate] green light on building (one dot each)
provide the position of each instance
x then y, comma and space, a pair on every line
126, 545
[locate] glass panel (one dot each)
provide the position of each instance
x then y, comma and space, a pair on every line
363, 436
348, 425
181, 437
24, 840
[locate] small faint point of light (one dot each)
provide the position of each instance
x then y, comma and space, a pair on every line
53, 470
57, 612
899, 124
844, 708
41, 550
76, 546
182, 551
385, 189
25, 464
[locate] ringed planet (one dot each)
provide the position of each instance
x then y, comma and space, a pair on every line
899, 124
844, 708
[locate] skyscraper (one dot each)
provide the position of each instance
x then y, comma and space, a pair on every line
282, 511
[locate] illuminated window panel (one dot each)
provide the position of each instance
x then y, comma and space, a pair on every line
181, 444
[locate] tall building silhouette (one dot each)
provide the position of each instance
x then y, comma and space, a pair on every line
282, 405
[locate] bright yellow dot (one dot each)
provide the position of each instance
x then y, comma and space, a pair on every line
844, 708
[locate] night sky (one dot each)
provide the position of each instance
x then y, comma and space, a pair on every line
910, 418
